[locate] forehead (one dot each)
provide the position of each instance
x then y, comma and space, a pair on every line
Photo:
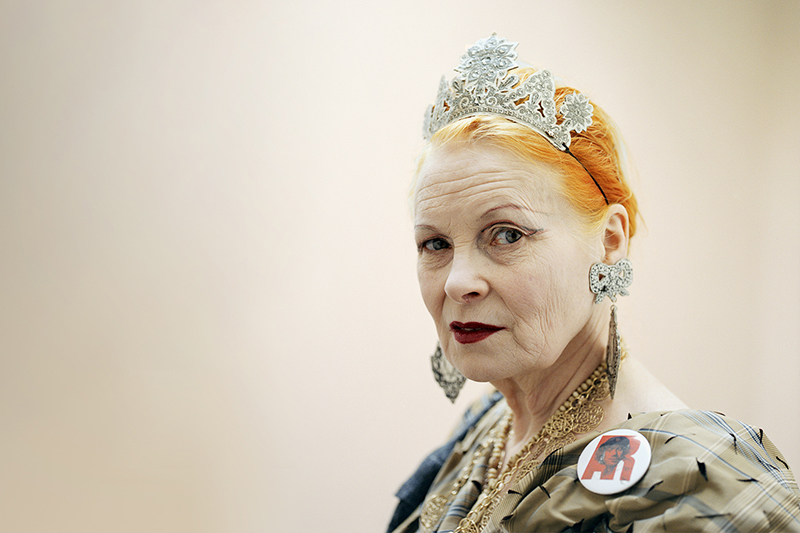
474, 173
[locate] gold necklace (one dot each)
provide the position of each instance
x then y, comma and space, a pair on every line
579, 414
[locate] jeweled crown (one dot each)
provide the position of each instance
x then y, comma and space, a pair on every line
485, 87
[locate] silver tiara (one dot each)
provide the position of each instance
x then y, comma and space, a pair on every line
484, 87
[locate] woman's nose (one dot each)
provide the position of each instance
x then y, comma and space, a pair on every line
466, 281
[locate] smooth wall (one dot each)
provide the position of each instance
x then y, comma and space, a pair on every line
209, 319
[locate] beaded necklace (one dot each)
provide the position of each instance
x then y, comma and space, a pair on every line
579, 414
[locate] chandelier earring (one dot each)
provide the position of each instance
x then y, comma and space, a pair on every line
611, 280
613, 352
447, 376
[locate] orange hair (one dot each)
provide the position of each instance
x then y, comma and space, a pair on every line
598, 149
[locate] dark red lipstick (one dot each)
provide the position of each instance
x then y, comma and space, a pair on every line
469, 332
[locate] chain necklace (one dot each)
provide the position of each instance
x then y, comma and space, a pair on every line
579, 414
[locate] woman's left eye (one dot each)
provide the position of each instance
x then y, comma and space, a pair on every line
507, 236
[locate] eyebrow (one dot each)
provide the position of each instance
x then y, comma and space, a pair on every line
506, 206
424, 226
487, 213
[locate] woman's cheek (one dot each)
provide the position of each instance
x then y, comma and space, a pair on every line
432, 292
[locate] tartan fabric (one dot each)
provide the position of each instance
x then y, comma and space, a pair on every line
412, 493
708, 473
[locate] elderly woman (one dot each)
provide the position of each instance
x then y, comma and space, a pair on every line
523, 217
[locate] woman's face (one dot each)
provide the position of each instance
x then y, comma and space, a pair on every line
613, 455
503, 264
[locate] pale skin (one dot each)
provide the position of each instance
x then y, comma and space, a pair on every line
500, 245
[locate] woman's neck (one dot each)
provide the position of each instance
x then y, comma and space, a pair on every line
536, 396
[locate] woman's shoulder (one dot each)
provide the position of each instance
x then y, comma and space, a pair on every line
713, 437
706, 469
707, 466
704, 466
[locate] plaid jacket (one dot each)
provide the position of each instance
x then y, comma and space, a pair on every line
707, 473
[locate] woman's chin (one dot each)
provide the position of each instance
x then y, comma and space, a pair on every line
480, 373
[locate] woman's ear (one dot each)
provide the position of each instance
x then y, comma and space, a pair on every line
615, 234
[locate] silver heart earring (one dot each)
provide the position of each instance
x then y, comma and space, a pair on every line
611, 280
447, 376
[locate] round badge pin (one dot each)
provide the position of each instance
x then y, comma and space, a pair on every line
614, 461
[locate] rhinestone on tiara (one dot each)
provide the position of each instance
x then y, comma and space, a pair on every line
485, 87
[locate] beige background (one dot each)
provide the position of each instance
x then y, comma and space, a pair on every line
209, 318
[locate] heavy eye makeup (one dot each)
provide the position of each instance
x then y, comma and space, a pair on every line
433, 244
506, 233
496, 234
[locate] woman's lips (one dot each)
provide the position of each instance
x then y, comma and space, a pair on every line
469, 332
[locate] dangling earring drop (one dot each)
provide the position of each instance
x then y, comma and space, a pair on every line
613, 352
447, 376
611, 280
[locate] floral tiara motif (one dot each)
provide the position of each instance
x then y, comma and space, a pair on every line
485, 87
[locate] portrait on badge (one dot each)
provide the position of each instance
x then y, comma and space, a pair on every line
611, 451
523, 216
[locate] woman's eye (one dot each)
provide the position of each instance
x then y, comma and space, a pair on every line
434, 245
507, 236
